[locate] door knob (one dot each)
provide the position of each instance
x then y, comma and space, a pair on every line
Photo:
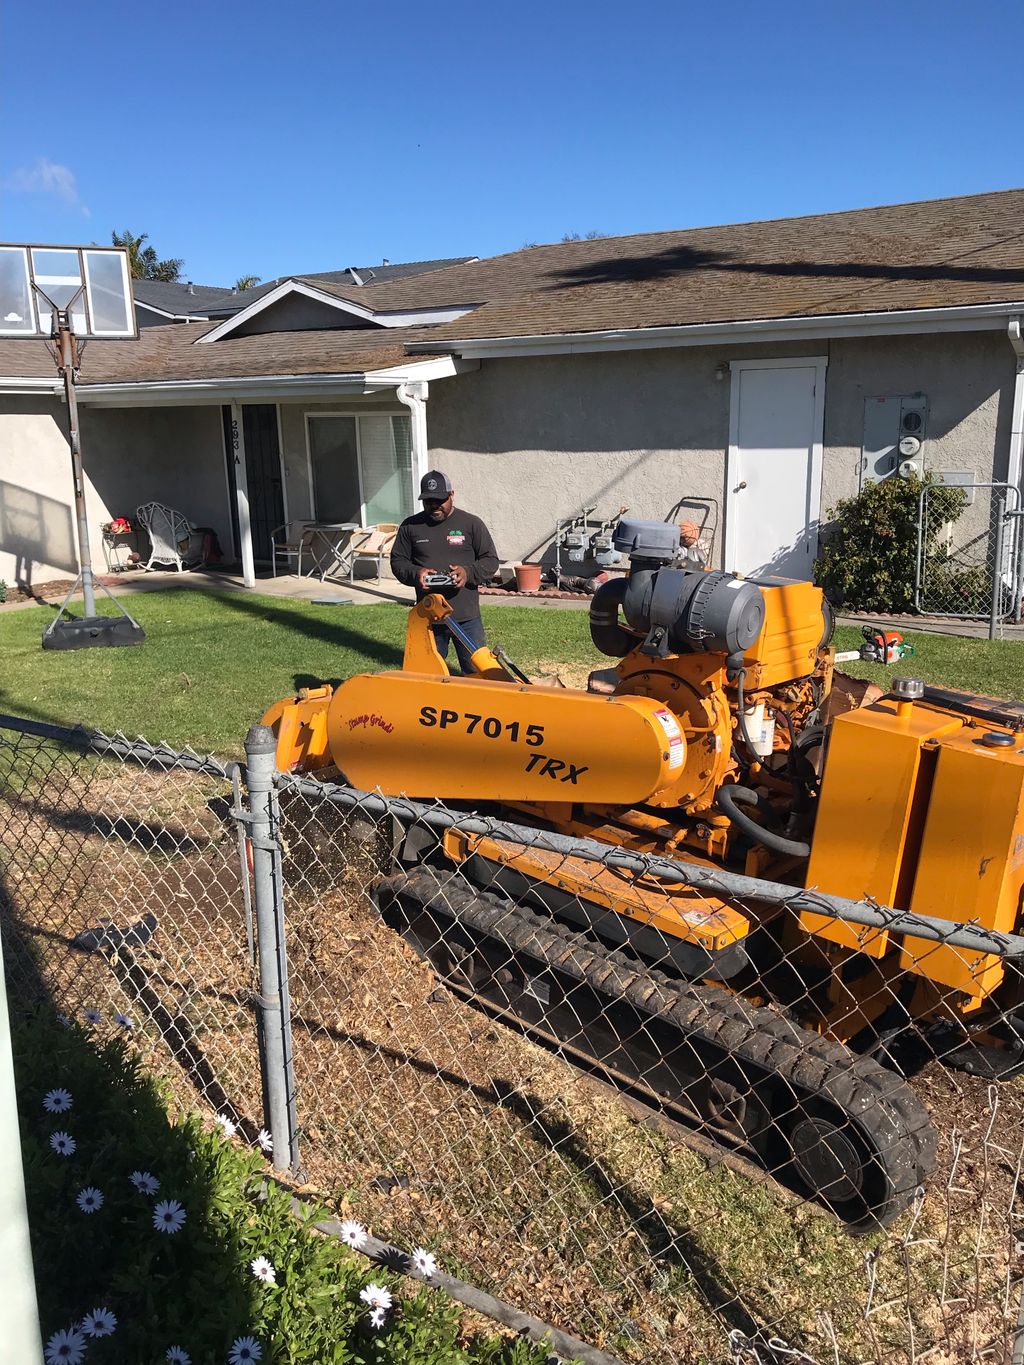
740, 486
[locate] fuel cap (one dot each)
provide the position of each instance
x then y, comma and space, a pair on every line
907, 689
998, 739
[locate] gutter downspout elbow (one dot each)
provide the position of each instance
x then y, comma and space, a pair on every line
414, 395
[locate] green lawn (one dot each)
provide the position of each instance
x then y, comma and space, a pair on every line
213, 662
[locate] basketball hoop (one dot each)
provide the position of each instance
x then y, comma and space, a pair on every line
68, 294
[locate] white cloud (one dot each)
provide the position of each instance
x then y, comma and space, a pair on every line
47, 177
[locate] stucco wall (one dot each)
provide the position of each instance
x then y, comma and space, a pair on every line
529, 440
171, 455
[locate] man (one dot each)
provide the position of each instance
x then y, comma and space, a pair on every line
440, 540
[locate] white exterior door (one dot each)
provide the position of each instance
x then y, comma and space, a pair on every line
773, 473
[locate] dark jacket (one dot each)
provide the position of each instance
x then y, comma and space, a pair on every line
462, 539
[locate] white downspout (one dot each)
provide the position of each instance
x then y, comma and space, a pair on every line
242, 496
414, 395
1014, 461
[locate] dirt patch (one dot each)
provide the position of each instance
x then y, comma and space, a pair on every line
51, 591
437, 1126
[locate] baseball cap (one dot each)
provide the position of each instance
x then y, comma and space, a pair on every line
434, 484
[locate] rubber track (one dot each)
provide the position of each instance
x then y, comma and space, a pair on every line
883, 1104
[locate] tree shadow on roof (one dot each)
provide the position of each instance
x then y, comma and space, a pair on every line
682, 259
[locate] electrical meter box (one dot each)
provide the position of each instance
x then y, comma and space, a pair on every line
894, 432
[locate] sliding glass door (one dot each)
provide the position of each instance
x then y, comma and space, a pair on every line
361, 467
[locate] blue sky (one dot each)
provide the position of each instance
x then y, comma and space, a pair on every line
272, 138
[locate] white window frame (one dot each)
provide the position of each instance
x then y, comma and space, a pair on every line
365, 412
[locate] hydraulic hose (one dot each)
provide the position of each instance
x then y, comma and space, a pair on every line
732, 796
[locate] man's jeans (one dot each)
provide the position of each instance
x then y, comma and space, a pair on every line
474, 629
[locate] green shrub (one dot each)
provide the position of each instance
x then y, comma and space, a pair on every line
869, 559
3, 590
196, 1287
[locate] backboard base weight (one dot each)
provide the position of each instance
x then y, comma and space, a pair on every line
93, 632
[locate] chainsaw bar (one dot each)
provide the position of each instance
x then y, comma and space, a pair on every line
838, 1128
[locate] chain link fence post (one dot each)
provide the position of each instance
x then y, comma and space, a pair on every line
273, 999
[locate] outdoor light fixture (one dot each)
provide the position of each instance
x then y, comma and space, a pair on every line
721, 371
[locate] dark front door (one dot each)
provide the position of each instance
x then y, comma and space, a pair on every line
263, 471
263, 475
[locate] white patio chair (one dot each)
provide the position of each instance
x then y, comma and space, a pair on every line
172, 538
288, 542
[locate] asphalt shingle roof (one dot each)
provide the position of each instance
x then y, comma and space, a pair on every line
934, 254
169, 353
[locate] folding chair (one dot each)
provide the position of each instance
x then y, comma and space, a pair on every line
371, 543
288, 542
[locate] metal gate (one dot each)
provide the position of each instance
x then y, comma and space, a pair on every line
969, 553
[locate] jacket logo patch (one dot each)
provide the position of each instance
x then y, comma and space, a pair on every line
456, 538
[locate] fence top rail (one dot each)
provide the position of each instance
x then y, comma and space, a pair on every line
955, 934
121, 746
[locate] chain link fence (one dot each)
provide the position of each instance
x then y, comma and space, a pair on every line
969, 561
639, 1139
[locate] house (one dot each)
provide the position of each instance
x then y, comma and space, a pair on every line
750, 374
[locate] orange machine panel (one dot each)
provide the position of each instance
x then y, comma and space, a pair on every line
971, 865
869, 813
480, 740
787, 647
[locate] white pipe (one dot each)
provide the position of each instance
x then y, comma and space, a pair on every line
20, 1314
414, 396
1014, 458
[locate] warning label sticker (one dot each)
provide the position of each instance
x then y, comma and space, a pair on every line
667, 721
676, 751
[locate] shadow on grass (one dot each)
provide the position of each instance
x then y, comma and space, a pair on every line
189, 1288
324, 632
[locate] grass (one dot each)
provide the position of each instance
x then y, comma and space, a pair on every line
195, 1287
213, 662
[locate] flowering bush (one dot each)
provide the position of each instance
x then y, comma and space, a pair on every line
162, 1242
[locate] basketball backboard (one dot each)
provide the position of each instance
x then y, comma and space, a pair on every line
93, 282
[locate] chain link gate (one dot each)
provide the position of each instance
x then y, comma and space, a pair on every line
585, 1195
969, 553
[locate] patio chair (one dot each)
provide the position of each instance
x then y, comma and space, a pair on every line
172, 537
371, 543
288, 542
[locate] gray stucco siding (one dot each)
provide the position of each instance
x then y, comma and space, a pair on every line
130, 456
529, 440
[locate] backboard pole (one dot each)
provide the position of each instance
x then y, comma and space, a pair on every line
67, 363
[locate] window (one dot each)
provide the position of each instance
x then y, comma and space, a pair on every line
361, 466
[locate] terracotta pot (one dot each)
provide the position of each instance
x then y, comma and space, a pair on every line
527, 577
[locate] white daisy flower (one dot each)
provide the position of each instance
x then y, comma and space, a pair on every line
63, 1020
353, 1235
425, 1262
57, 1101
264, 1270
244, 1349
377, 1316
376, 1296
265, 1140
89, 1200
144, 1182
99, 1323
63, 1143
169, 1216
91, 1016
177, 1356
65, 1348
225, 1125
125, 1020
